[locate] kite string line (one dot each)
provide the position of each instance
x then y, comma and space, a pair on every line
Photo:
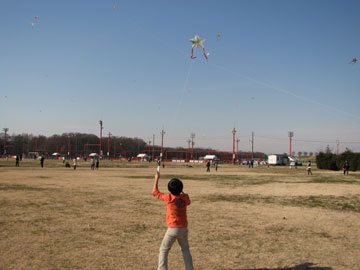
184, 90
287, 92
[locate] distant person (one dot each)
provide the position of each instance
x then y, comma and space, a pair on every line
252, 163
208, 166
346, 168
176, 221
97, 163
67, 165
42, 161
17, 159
216, 165
75, 163
63, 159
21, 157
309, 168
92, 164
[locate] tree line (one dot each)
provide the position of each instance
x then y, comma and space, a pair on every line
329, 161
82, 144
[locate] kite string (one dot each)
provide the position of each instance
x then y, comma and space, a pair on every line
184, 91
282, 90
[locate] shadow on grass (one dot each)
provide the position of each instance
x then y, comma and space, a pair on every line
304, 266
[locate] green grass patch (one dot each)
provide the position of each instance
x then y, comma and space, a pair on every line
232, 180
20, 187
334, 180
338, 203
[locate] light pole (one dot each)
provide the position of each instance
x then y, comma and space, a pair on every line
101, 128
108, 152
290, 134
192, 145
162, 142
237, 148
233, 153
5, 130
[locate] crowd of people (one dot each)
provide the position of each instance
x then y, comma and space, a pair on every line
95, 163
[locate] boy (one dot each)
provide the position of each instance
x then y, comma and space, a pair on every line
176, 220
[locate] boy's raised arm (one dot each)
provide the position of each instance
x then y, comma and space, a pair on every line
156, 181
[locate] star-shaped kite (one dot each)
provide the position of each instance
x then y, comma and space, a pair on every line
197, 42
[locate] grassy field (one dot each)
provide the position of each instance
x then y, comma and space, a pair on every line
240, 218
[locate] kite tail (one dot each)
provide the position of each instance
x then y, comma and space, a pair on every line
205, 54
192, 54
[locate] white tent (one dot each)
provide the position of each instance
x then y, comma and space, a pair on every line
93, 155
142, 156
56, 154
210, 157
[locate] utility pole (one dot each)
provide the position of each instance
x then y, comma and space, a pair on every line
237, 148
188, 151
108, 152
153, 154
337, 147
252, 145
5, 130
233, 154
162, 141
101, 128
192, 136
290, 134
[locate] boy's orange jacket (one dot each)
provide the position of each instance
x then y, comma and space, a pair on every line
176, 208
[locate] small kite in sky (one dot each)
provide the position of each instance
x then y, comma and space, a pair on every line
36, 17
353, 61
197, 42
218, 36
32, 25
115, 6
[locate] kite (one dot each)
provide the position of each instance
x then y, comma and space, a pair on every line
115, 6
32, 25
353, 61
197, 42
218, 36
36, 17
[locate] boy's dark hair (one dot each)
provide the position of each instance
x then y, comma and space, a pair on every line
175, 186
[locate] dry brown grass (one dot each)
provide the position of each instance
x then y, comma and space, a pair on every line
240, 218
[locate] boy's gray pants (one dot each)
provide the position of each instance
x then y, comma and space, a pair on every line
172, 234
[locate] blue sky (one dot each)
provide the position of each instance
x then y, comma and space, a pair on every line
278, 66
